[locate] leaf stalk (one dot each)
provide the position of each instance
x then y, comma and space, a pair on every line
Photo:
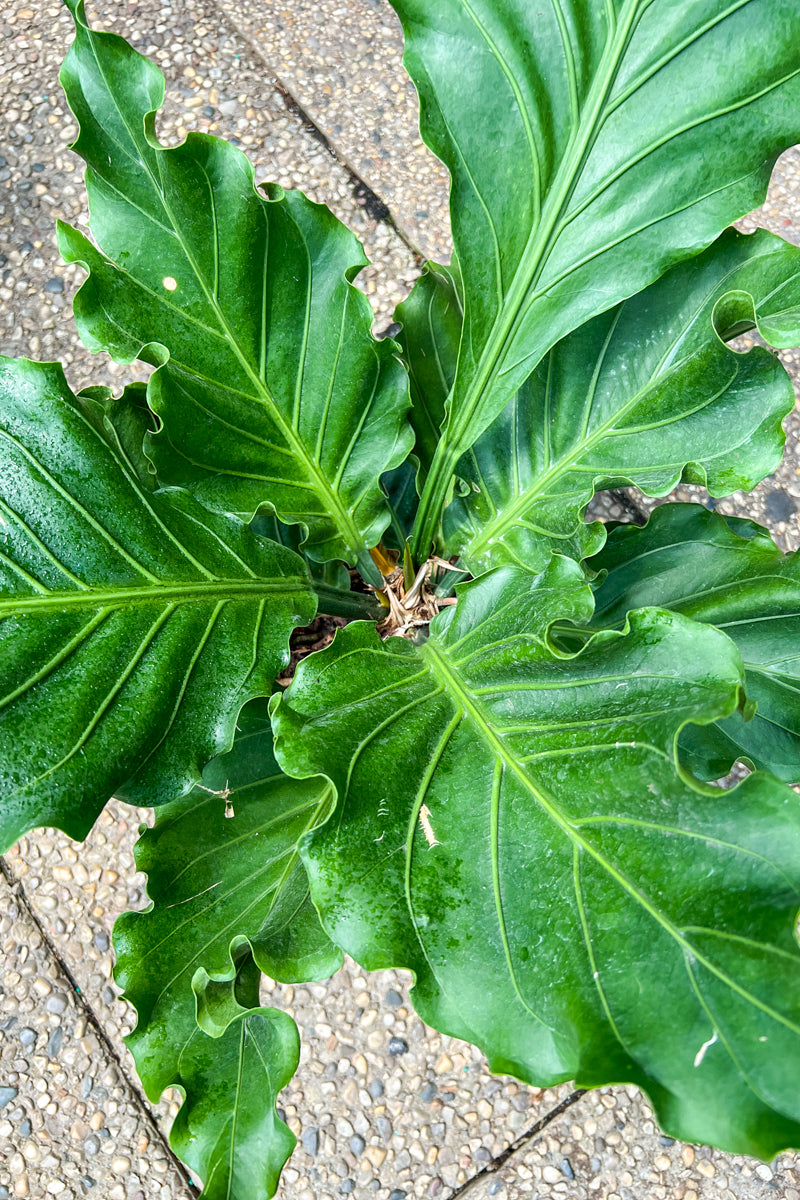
335, 602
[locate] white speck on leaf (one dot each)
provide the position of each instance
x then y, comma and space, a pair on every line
427, 828
701, 1053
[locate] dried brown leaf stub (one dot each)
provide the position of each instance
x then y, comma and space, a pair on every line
413, 608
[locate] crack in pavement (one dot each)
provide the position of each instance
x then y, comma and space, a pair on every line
367, 197
526, 1138
18, 889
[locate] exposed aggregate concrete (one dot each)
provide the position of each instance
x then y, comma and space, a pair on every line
382, 1106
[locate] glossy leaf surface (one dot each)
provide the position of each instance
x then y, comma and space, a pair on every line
591, 146
728, 573
647, 393
271, 389
567, 899
227, 1128
133, 625
216, 882
432, 319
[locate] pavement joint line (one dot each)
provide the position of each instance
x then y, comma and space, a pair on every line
18, 889
525, 1138
376, 207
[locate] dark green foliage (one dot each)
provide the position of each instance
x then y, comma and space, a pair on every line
511, 800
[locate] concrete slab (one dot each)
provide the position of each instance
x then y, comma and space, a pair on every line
71, 1125
608, 1148
342, 61
421, 1121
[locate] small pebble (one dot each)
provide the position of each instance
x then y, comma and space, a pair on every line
779, 506
375, 1089
54, 1042
496, 1186
428, 1092
54, 285
56, 1003
357, 1144
398, 1194
566, 1168
384, 1128
397, 1046
393, 998
7, 1094
91, 1145
27, 1036
347, 1186
550, 1174
101, 941
310, 1140
25, 1128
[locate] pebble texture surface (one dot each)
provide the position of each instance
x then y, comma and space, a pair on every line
381, 1106
343, 63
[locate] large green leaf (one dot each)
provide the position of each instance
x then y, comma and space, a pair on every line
133, 625
591, 144
511, 826
431, 320
271, 388
728, 573
222, 870
644, 394
227, 1128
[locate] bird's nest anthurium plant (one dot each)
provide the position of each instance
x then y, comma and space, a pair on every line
501, 784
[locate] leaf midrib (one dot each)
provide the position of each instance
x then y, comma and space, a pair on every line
540, 241
695, 604
167, 593
509, 516
439, 666
323, 489
458, 435
273, 891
